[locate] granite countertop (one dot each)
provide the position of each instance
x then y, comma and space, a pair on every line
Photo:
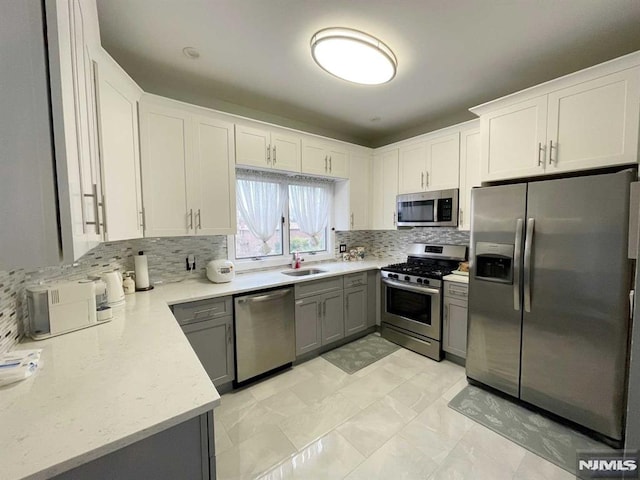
106, 387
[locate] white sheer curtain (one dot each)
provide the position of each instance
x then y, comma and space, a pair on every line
309, 206
261, 204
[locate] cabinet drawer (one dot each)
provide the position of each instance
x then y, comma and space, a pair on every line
202, 309
355, 279
455, 289
319, 286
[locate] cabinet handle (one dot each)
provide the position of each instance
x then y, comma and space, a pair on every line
199, 220
427, 179
104, 216
330, 165
96, 212
347, 303
539, 154
551, 160
461, 217
274, 154
326, 163
268, 153
324, 308
190, 215
421, 179
351, 219
394, 218
446, 312
319, 310
142, 218
228, 334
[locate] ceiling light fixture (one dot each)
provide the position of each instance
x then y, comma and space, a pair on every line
353, 55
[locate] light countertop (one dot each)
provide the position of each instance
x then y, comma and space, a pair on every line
105, 387
456, 278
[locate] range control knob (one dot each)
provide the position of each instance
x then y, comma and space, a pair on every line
419, 280
407, 278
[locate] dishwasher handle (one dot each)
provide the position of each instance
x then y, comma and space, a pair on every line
265, 298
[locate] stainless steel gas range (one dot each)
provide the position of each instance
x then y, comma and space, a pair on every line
412, 297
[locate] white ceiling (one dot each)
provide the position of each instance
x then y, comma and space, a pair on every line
452, 55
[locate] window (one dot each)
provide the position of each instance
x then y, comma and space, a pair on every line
279, 215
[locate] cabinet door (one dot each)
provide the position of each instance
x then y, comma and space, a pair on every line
285, 151
211, 178
385, 190
412, 169
315, 158
355, 310
164, 148
595, 123
332, 317
469, 174
338, 162
118, 97
359, 191
213, 342
308, 324
443, 161
252, 147
454, 337
513, 140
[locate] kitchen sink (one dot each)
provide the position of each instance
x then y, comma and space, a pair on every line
303, 272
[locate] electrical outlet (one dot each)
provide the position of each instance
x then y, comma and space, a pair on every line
343, 247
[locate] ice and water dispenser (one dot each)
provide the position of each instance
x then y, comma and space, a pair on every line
494, 262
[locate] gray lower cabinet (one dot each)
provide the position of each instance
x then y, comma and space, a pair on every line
185, 451
355, 310
332, 317
454, 336
319, 312
213, 342
208, 325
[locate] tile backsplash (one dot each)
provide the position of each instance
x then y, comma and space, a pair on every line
167, 263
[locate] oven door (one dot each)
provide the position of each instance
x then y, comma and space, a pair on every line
411, 307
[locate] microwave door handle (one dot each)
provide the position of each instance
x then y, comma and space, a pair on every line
435, 209
517, 259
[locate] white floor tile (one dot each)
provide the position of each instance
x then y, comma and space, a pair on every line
534, 467
222, 440
318, 419
398, 460
481, 441
331, 457
369, 388
280, 382
376, 424
255, 455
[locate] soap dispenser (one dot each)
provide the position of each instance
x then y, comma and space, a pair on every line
128, 284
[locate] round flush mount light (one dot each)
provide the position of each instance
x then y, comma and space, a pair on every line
191, 53
353, 56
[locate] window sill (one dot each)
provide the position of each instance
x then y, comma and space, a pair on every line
265, 264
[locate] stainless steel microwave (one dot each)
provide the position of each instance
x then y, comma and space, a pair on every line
428, 209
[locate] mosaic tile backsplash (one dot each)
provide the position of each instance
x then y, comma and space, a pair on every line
166, 259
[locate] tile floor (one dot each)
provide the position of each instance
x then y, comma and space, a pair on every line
389, 420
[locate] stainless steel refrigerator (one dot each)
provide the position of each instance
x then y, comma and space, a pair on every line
549, 289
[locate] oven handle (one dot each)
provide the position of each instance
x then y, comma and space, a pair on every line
411, 288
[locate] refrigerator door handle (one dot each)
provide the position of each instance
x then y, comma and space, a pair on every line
516, 264
528, 243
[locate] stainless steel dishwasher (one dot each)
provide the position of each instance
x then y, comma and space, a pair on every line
265, 332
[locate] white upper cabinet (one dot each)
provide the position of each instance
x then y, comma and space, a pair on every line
117, 101
469, 174
353, 197
325, 158
188, 171
595, 123
72, 36
585, 120
164, 142
272, 149
384, 189
431, 164
211, 177
514, 139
